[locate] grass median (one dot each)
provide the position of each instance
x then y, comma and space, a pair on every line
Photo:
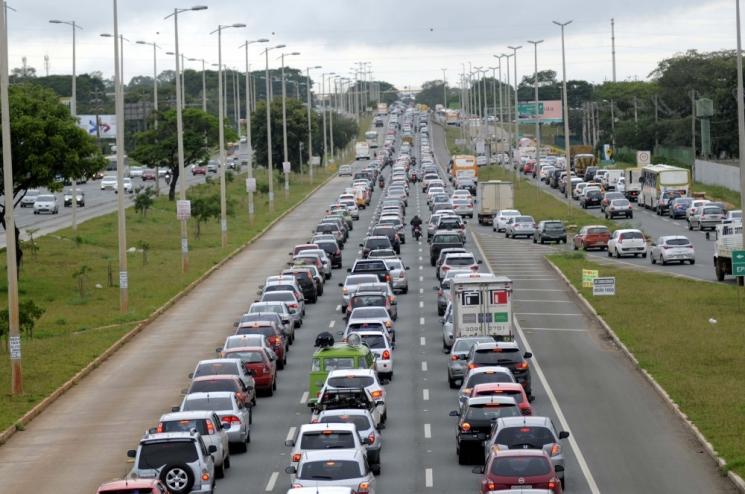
689, 335
74, 277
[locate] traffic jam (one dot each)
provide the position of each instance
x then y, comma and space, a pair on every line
338, 447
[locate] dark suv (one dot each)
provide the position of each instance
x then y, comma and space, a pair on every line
505, 354
590, 199
550, 231
442, 240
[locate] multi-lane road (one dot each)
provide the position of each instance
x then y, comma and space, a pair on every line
623, 439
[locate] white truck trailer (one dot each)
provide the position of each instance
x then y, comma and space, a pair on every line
482, 306
493, 196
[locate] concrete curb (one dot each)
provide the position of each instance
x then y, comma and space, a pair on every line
738, 482
82, 373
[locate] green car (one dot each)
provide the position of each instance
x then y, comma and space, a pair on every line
338, 356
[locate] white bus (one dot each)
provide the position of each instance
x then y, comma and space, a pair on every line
371, 137
658, 179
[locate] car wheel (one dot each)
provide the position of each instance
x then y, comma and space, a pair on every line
662, 260
610, 253
653, 260
220, 471
534, 240
644, 256
178, 478
692, 261
226, 463
690, 226
575, 245
452, 382
281, 363
241, 447
462, 458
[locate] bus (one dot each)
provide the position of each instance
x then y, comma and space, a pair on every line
657, 179
464, 165
371, 137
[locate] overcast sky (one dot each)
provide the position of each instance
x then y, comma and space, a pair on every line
407, 42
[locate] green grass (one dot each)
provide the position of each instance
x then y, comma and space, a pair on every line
718, 193
74, 330
664, 321
451, 134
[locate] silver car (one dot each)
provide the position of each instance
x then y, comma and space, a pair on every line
287, 297
520, 226
29, 199
447, 329
398, 275
46, 203
527, 433
500, 219
210, 427
351, 284
457, 362
228, 408
671, 248
344, 468
365, 428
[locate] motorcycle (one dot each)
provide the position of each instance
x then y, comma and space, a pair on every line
381, 183
416, 231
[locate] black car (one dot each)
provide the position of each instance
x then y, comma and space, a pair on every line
590, 173
332, 251
391, 233
504, 354
550, 231
590, 199
375, 243
476, 419
442, 240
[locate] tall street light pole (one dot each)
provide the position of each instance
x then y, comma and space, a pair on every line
249, 141
535, 101
310, 126
501, 91
204, 81
567, 152
155, 103
517, 116
221, 133
269, 169
286, 159
740, 121
73, 112
14, 335
444, 89
324, 111
181, 177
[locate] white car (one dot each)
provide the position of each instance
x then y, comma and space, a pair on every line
350, 285
482, 375
379, 343
230, 410
463, 206
459, 261
366, 379
342, 468
108, 182
46, 203
670, 248
29, 199
628, 242
324, 490
209, 426
136, 171
314, 437
695, 204
345, 170
398, 275
520, 226
500, 219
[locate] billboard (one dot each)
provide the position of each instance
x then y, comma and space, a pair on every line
548, 111
104, 127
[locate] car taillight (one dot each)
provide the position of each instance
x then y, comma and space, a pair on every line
210, 427
474, 267
159, 430
386, 355
555, 449
491, 486
293, 306
401, 275
521, 365
266, 369
205, 475
296, 457
338, 252
552, 483
296, 486
371, 439
439, 292
471, 365
453, 358
377, 394
446, 268
465, 427
230, 419
363, 488
274, 340
388, 324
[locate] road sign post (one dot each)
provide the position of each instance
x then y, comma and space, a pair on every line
738, 262
604, 286
587, 276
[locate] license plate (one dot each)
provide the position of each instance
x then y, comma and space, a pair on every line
521, 487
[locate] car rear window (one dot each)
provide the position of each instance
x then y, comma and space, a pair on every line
156, 455
377, 243
374, 341
713, 210
368, 301
447, 239
361, 421
215, 368
277, 297
369, 266
553, 225
527, 466
350, 381
184, 425
491, 411
213, 385
597, 231
197, 404
460, 261
327, 439
365, 326
631, 235
329, 470
677, 241
369, 313
252, 357
276, 308
493, 377
464, 345
512, 393
243, 341
497, 356
620, 202
520, 437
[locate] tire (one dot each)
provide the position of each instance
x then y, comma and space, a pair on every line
534, 240
575, 245
644, 256
692, 261
226, 463
462, 458
248, 437
178, 478
405, 290
610, 253
220, 471
281, 363
241, 447
690, 226
652, 260
452, 382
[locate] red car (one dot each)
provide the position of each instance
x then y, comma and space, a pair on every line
529, 168
259, 364
592, 237
520, 468
275, 339
301, 247
223, 382
515, 390
134, 486
149, 174
199, 170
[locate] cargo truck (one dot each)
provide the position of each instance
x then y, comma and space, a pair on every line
729, 239
362, 151
482, 306
493, 196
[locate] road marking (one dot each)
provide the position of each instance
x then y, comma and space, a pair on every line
421, 304
543, 301
421, 267
421, 278
568, 330
420, 258
545, 314
291, 433
425, 394
304, 398
420, 251
424, 366
427, 431
421, 291
428, 482
541, 290
533, 279
272, 482
338, 307
422, 340
331, 324
421, 321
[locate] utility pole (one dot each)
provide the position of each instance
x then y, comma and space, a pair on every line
613, 45
656, 113
693, 127
567, 143
514, 50
444, 90
535, 88
740, 123
122, 218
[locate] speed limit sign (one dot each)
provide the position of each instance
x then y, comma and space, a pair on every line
643, 158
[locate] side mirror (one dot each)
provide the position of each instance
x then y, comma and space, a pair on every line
527, 355
291, 442
291, 470
235, 324
349, 270
454, 413
341, 285
478, 470
361, 245
212, 448
191, 375
175, 409
132, 453
365, 440
381, 427
563, 435
218, 350
375, 469
379, 403
558, 468
407, 268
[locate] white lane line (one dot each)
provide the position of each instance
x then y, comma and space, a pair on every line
543, 301
331, 324
272, 482
568, 330
422, 340
421, 291
421, 278
304, 398
420, 251
425, 394
421, 304
427, 431
424, 366
421, 267
421, 321
545, 314
541, 290
338, 307
420, 258
559, 414
533, 279
291, 433
428, 482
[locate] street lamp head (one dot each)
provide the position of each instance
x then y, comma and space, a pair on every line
56, 21
140, 42
562, 24
317, 67
262, 40
107, 35
294, 53
170, 53
238, 24
199, 7
278, 46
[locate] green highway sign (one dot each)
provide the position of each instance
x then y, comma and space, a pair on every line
738, 262
525, 108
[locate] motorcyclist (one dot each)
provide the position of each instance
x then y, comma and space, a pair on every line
416, 225
381, 181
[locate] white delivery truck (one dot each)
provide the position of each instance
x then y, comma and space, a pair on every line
611, 179
482, 306
362, 151
493, 196
729, 239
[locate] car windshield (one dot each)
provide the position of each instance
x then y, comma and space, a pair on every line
350, 381
213, 385
221, 403
374, 341
329, 470
156, 455
251, 357
490, 411
45, 198
517, 466
488, 377
184, 425
497, 356
533, 437
465, 344
369, 313
361, 421
460, 261
215, 368
327, 439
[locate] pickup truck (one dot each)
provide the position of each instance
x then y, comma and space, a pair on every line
371, 266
